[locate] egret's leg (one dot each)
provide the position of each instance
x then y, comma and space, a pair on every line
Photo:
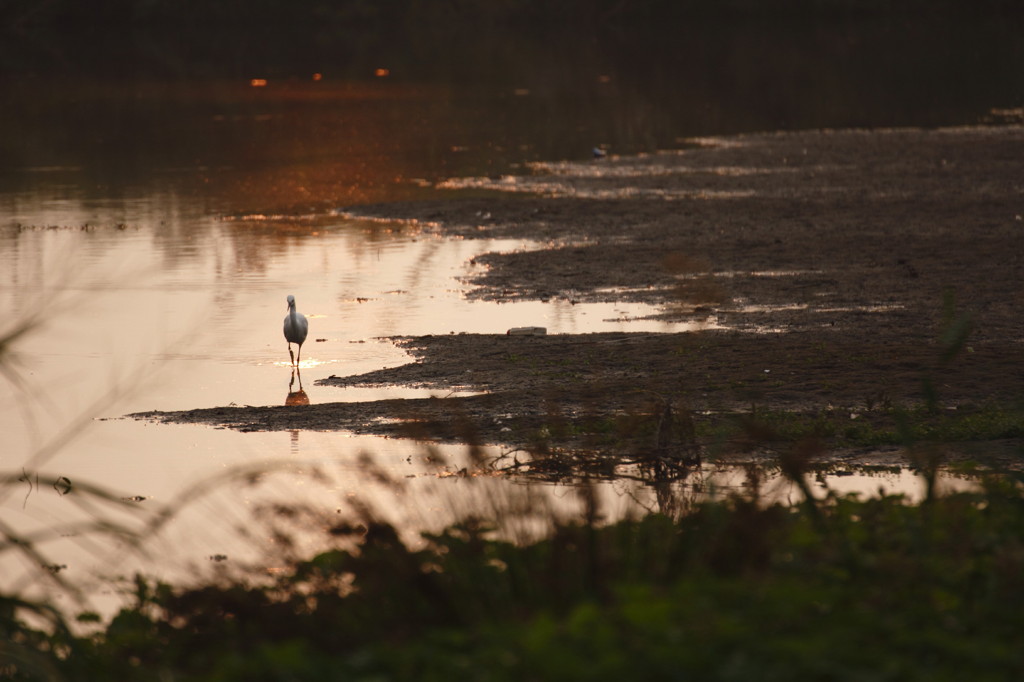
291, 354
298, 356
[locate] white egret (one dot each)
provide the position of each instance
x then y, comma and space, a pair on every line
295, 329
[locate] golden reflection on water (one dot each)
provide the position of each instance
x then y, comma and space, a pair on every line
233, 147
296, 395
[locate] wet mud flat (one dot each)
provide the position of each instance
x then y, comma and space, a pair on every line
839, 275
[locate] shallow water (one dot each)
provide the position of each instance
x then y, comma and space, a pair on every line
124, 328
152, 226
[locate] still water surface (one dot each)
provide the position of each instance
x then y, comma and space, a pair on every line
152, 228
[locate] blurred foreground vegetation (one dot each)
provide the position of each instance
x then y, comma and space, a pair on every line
837, 589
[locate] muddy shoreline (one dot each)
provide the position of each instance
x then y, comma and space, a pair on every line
832, 271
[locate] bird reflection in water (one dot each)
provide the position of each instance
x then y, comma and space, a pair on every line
298, 397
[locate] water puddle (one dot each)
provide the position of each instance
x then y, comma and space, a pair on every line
638, 176
584, 188
765, 273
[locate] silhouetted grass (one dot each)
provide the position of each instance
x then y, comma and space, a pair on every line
841, 589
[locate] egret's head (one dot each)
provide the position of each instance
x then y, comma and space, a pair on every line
291, 301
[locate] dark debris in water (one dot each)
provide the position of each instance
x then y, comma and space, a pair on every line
62, 485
